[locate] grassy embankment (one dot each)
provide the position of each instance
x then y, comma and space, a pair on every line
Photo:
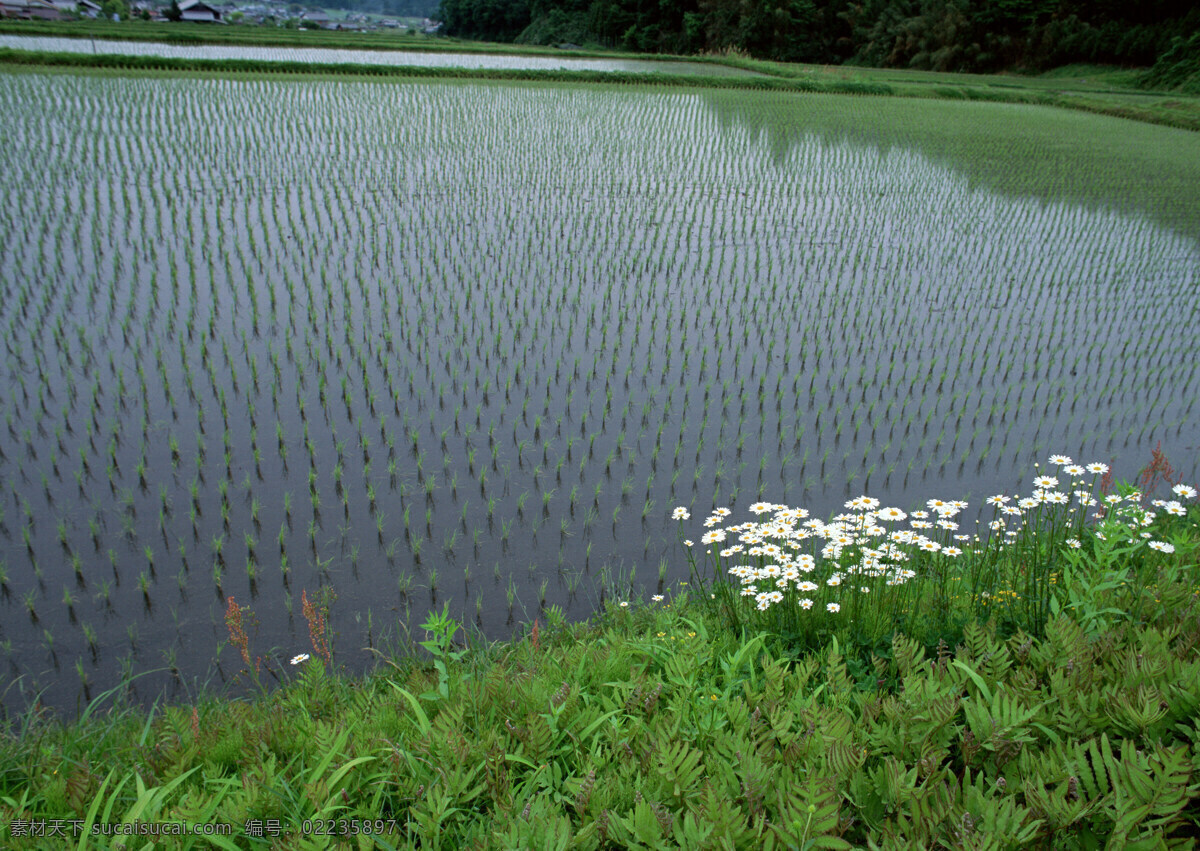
1036, 688
1107, 91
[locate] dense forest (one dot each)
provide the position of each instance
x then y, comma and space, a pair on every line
944, 35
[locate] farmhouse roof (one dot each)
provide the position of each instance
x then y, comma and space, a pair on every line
29, 8
199, 11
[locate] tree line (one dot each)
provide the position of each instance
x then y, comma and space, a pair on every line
941, 35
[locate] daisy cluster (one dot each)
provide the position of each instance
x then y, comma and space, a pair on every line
863, 544
1124, 514
867, 542
1047, 492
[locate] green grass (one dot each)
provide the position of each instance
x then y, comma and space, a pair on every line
658, 725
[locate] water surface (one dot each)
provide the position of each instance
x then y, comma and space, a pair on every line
423, 59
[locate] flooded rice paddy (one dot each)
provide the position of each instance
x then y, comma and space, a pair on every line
470, 343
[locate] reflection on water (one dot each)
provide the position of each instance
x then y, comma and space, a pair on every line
1047, 154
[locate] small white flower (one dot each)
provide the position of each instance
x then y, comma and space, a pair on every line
1097, 468
806, 603
303, 657
1185, 491
658, 598
862, 503
833, 607
1162, 547
624, 604
1045, 482
680, 513
1059, 459
1073, 544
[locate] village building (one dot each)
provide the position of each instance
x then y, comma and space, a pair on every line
320, 18
197, 11
32, 9
70, 8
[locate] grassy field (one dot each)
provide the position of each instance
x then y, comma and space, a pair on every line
1065, 718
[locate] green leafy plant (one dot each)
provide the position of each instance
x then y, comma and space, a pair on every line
441, 628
